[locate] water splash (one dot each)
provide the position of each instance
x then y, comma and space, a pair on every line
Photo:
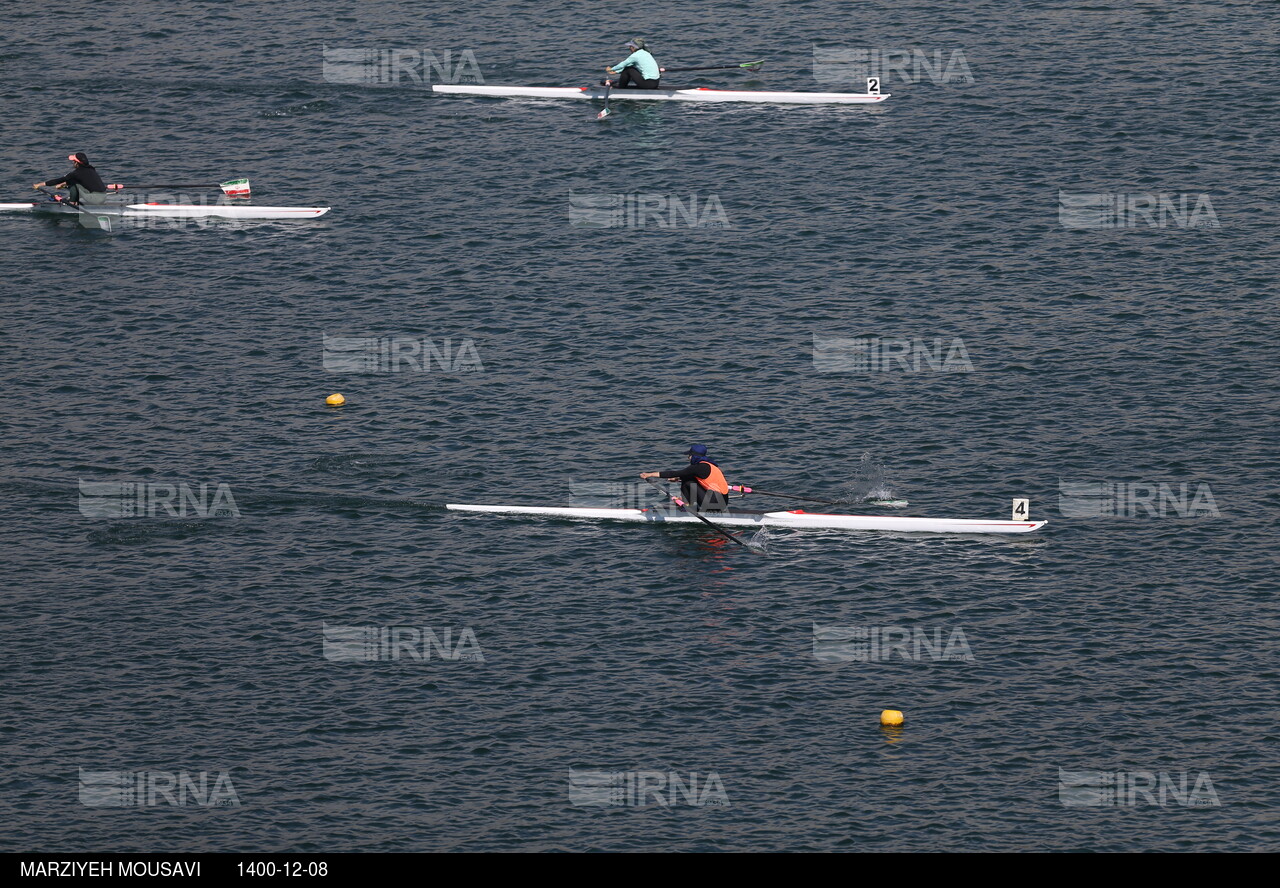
870, 483
760, 541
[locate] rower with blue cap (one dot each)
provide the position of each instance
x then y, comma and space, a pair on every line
702, 484
637, 71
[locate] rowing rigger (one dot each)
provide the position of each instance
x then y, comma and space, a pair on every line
794, 519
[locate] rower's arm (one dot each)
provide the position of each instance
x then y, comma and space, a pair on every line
688, 473
678, 475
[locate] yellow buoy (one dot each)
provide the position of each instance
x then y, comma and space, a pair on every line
891, 717
335, 400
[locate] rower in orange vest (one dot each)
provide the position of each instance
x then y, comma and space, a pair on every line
702, 484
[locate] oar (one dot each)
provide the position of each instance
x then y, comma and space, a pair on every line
751, 66
808, 499
233, 188
604, 112
739, 488
685, 507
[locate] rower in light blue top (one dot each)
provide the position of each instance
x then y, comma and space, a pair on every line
637, 71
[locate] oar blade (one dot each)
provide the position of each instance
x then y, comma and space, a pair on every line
604, 112
236, 188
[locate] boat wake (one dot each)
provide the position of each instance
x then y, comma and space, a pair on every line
149, 531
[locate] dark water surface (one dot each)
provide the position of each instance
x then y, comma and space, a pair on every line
194, 353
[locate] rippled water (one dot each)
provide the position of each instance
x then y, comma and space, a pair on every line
195, 353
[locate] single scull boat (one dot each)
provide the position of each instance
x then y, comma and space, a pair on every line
795, 519
700, 94
168, 211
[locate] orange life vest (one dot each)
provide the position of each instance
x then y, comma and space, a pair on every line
715, 481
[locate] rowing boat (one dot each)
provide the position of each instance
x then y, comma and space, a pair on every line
700, 94
793, 519
168, 211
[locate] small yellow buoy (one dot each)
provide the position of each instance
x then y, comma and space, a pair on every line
335, 400
891, 717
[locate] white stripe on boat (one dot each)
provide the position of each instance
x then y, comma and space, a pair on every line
797, 519
701, 94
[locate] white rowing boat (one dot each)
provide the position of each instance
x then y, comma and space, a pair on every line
168, 211
795, 519
700, 94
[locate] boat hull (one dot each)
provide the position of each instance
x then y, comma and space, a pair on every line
796, 519
170, 211
701, 94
